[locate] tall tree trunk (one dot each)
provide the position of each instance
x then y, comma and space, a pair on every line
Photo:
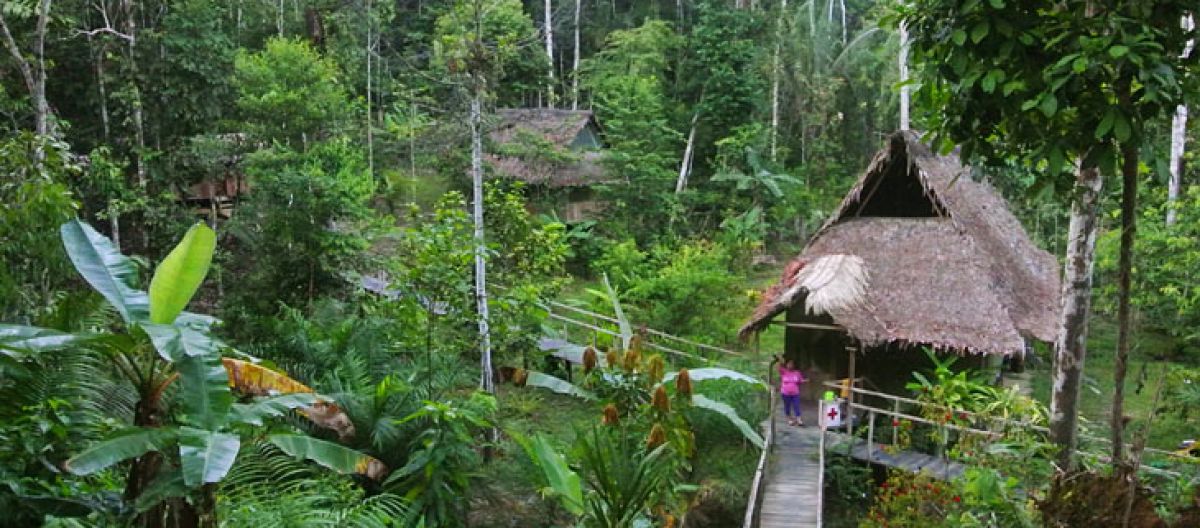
776, 73
549, 23
575, 60
103, 89
1070, 349
34, 75
1129, 171
370, 133
139, 129
1178, 145
904, 88
1178, 137
481, 299
685, 166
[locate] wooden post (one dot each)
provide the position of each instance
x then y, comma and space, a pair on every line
850, 401
821, 477
871, 436
895, 429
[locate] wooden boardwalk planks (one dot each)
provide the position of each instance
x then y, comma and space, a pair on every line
909, 460
791, 497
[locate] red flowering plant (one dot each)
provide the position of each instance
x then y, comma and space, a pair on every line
907, 499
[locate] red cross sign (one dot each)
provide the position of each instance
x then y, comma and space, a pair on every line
831, 414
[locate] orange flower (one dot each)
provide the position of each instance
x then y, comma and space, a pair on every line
683, 383
656, 438
660, 401
611, 416
589, 359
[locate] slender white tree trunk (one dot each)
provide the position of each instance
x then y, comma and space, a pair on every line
34, 75
575, 61
1178, 139
481, 298
776, 73
844, 34
1071, 346
685, 166
549, 23
370, 132
904, 88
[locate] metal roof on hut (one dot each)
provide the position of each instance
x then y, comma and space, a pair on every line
546, 146
918, 253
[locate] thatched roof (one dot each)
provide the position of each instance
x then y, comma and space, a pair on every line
559, 127
561, 132
946, 264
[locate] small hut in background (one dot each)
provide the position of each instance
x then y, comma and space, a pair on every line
917, 255
556, 151
219, 157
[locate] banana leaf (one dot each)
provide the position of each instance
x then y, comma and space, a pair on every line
16, 340
710, 373
333, 456
206, 456
564, 482
559, 385
131, 443
179, 275
703, 402
204, 391
109, 272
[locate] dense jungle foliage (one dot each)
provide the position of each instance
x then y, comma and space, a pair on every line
237, 250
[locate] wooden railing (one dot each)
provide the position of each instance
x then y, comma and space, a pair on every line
1002, 426
655, 339
754, 502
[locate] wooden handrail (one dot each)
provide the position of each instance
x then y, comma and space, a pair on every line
649, 331
994, 434
760, 473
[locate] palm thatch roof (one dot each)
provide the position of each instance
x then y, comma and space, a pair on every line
919, 253
545, 146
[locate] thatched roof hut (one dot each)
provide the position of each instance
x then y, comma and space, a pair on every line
546, 146
918, 253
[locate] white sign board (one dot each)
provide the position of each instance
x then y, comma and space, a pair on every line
831, 413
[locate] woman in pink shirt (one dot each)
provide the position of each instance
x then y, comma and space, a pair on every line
790, 379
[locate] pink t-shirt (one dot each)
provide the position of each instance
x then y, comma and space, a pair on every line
789, 381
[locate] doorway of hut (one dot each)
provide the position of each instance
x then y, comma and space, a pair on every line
825, 353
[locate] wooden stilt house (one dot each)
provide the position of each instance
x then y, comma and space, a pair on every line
917, 255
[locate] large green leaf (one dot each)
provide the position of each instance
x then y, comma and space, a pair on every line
18, 339
204, 391
254, 413
559, 385
175, 342
333, 456
166, 485
564, 482
206, 456
180, 274
710, 373
131, 443
622, 323
109, 272
701, 401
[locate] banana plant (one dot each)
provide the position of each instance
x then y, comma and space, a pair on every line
162, 344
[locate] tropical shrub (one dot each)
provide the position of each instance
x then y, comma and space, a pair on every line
37, 199
615, 482
162, 344
305, 225
1164, 292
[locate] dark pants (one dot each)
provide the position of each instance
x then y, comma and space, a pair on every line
790, 403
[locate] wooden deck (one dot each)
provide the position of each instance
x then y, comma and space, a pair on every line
838, 443
792, 494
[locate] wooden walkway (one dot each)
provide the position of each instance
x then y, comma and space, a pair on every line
838, 443
792, 495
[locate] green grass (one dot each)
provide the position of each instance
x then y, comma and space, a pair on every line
1096, 396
